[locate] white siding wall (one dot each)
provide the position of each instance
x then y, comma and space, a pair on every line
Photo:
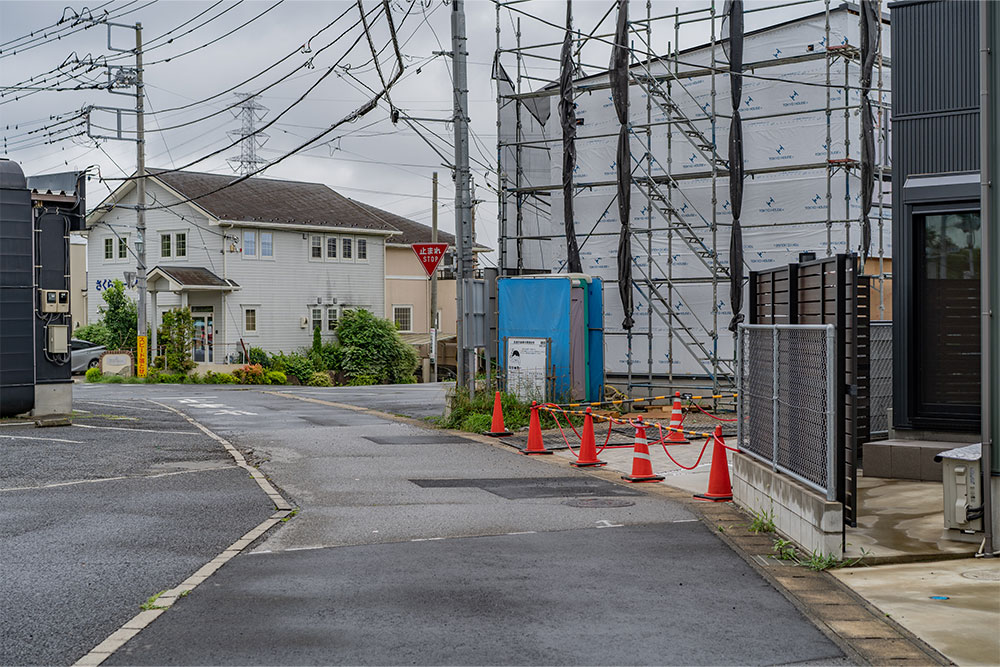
283, 289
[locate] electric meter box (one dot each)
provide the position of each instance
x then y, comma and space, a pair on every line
55, 300
961, 473
58, 339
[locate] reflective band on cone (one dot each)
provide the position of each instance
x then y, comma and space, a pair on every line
642, 464
677, 422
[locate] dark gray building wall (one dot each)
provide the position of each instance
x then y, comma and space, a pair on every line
935, 130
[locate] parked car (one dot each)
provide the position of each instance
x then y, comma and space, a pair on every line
84, 355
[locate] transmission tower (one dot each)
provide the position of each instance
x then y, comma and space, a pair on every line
249, 112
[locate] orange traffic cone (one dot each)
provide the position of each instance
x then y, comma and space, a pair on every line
720, 489
588, 447
497, 429
676, 437
535, 444
642, 465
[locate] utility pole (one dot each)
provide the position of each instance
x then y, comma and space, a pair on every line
463, 200
140, 187
434, 279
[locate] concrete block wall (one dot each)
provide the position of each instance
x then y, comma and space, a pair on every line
799, 513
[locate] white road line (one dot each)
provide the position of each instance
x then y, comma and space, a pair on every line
112, 479
524, 532
119, 405
137, 430
28, 437
685, 520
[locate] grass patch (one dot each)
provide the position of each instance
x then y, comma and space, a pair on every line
476, 415
784, 549
151, 602
762, 522
287, 518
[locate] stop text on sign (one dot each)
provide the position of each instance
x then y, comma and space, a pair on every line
429, 254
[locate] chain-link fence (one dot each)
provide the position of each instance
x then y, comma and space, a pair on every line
786, 400
880, 379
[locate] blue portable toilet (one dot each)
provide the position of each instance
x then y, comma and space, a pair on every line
551, 336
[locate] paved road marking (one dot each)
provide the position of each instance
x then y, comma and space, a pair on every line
119, 405
112, 479
29, 437
138, 430
604, 523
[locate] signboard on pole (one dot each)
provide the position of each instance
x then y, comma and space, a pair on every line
429, 254
526, 364
141, 355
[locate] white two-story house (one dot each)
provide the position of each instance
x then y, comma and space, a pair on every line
260, 263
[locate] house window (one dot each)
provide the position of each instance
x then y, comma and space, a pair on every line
331, 319
109, 248
347, 248
403, 317
165, 250
316, 247
122, 248
362, 250
180, 245
317, 319
266, 244
250, 320
249, 243
331, 247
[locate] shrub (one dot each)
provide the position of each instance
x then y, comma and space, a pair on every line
174, 335
250, 374
328, 357
317, 340
320, 379
119, 316
96, 333
113, 379
477, 423
258, 356
372, 347
294, 364
211, 377
275, 377
362, 380
93, 374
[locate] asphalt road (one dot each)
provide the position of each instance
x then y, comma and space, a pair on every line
413, 546
97, 517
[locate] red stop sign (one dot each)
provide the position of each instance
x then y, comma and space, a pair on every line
429, 254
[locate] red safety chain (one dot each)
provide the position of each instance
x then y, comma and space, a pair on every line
710, 414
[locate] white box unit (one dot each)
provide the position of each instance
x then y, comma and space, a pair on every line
963, 493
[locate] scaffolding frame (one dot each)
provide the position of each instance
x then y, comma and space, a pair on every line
662, 192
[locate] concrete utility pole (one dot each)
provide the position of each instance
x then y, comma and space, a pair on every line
140, 183
463, 199
434, 279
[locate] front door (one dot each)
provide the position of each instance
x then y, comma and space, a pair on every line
201, 349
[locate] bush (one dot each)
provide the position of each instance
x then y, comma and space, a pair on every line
294, 364
327, 357
372, 347
250, 374
96, 333
113, 379
174, 336
320, 379
477, 423
93, 374
275, 377
258, 356
362, 380
211, 377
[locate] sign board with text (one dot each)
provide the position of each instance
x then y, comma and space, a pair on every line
527, 360
141, 355
429, 254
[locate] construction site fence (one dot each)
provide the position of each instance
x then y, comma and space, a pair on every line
880, 379
786, 400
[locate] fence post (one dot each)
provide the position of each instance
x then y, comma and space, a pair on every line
831, 482
740, 391
774, 398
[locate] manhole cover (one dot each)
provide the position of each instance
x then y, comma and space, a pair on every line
982, 575
598, 502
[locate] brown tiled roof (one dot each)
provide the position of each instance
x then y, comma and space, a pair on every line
275, 201
194, 276
410, 231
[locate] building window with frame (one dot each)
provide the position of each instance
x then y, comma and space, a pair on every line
361, 254
331, 248
347, 249
122, 247
109, 248
250, 320
332, 317
316, 247
402, 316
165, 246
317, 319
267, 244
180, 244
249, 243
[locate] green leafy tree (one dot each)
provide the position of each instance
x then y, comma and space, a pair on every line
95, 333
120, 317
174, 338
373, 348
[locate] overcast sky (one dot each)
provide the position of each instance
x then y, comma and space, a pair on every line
371, 159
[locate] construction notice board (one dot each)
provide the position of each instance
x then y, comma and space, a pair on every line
527, 360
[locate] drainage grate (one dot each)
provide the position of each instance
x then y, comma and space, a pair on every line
598, 502
533, 487
418, 440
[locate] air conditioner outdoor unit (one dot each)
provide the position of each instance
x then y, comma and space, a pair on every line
304, 322
963, 498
